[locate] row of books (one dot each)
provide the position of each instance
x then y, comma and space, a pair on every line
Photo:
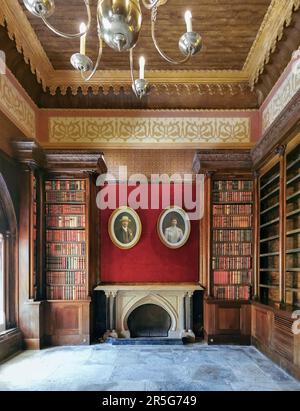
65, 196
233, 185
232, 209
68, 292
232, 221
65, 235
232, 277
55, 249
232, 249
232, 235
66, 263
232, 196
67, 278
65, 185
54, 209
231, 263
231, 292
72, 221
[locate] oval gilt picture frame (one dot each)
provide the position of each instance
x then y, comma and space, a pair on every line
124, 228
174, 227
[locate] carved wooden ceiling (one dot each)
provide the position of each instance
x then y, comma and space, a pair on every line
241, 41
228, 29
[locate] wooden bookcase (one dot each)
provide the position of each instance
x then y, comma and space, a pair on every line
67, 235
227, 306
292, 226
232, 235
278, 271
67, 212
34, 251
269, 216
279, 229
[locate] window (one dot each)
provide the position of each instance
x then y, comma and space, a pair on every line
2, 284
8, 260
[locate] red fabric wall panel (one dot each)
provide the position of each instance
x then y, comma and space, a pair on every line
150, 260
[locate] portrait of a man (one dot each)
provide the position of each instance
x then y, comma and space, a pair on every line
124, 233
124, 227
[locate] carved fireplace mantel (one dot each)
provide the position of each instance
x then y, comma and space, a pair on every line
176, 299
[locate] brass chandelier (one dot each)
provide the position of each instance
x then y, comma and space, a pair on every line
118, 25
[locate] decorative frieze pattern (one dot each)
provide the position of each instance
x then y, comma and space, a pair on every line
149, 130
16, 108
283, 95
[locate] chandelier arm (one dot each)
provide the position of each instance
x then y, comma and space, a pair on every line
163, 55
151, 4
100, 50
132, 71
70, 35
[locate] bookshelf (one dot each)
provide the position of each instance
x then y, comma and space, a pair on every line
66, 206
36, 283
232, 235
34, 286
292, 227
269, 241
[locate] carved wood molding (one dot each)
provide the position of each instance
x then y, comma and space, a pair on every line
286, 123
29, 152
91, 161
278, 16
179, 87
216, 160
26, 40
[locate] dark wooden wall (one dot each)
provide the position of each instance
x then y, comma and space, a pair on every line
11, 175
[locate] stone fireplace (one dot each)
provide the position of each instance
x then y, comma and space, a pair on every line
149, 310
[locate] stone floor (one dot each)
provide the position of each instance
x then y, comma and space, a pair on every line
196, 367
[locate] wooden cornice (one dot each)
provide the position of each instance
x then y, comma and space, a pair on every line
222, 160
278, 16
19, 29
119, 80
90, 161
285, 126
29, 153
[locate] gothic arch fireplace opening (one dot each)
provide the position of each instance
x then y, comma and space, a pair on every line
149, 320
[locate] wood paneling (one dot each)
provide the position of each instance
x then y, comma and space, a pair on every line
227, 322
10, 344
228, 31
261, 325
272, 334
228, 319
67, 322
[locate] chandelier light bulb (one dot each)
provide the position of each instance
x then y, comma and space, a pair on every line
82, 29
188, 21
142, 67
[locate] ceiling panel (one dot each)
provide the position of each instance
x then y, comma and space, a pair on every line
228, 29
